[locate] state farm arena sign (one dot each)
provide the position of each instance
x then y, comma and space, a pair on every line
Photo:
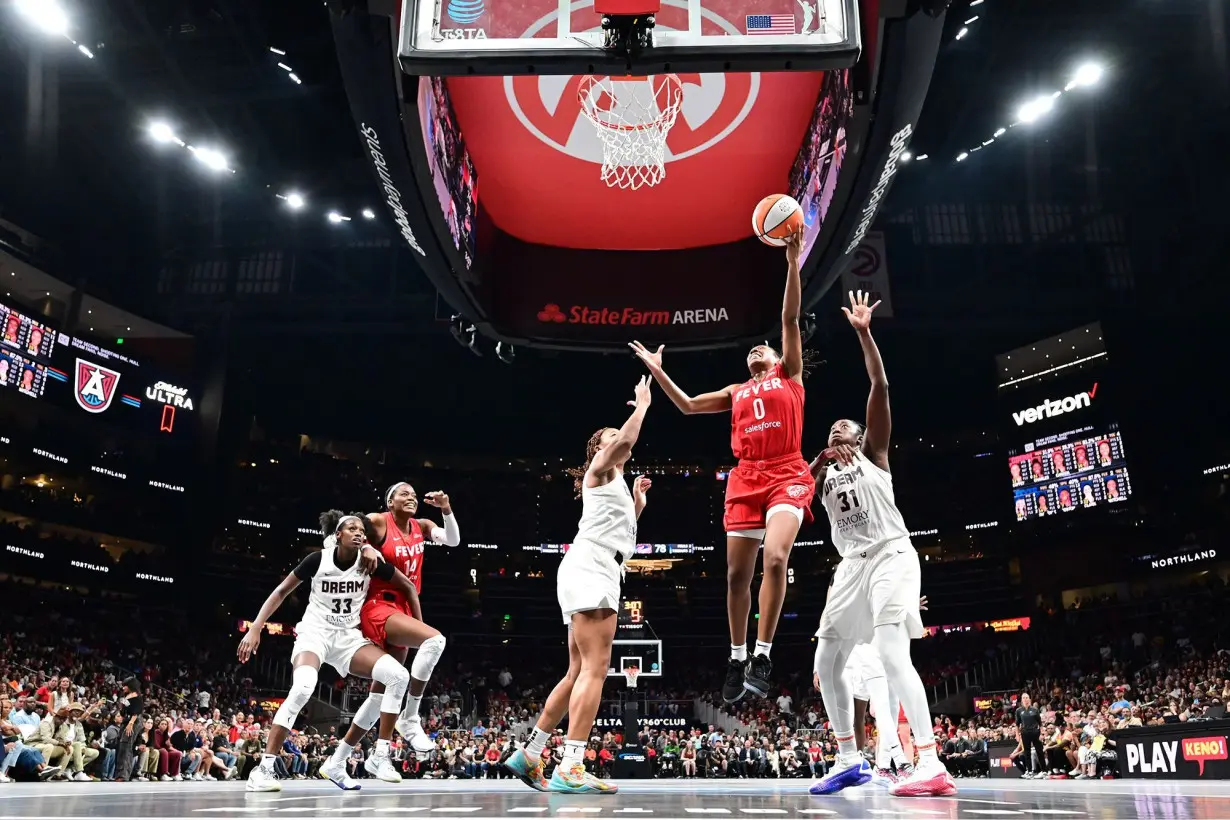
585, 315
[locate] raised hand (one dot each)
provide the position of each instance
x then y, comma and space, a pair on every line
859, 313
436, 498
250, 643
640, 486
652, 360
843, 454
642, 397
794, 247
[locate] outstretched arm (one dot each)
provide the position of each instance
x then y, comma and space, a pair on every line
879, 417
640, 486
450, 534
617, 451
716, 402
792, 301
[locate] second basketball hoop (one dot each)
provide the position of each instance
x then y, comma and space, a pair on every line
632, 116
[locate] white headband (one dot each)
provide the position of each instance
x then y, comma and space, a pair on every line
388, 496
345, 518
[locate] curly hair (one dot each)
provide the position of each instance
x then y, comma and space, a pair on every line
591, 449
329, 519
811, 359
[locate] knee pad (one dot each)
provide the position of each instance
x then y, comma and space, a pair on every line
369, 712
395, 679
302, 687
427, 657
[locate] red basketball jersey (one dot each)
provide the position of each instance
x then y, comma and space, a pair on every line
766, 417
405, 552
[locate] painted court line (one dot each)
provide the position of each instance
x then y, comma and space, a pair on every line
633, 810
1054, 811
993, 811
403, 809
707, 811
444, 809
528, 810
763, 811
578, 810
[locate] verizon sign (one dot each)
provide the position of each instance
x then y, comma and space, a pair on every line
1055, 407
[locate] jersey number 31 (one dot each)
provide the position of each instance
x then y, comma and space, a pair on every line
848, 500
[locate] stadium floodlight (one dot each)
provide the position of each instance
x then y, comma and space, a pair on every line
1035, 108
999, 132
47, 15
277, 51
906, 156
921, 157
85, 51
337, 218
961, 34
368, 213
212, 159
293, 200
961, 157
295, 78
1087, 74
161, 132
973, 19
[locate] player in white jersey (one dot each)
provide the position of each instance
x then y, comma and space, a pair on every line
874, 597
588, 588
329, 633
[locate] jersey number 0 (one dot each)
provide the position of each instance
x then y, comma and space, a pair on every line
758, 408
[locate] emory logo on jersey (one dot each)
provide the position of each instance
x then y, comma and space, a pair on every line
94, 386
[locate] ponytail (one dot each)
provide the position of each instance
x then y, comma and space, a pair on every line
591, 449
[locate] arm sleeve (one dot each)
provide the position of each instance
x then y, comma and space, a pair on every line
308, 567
450, 534
384, 571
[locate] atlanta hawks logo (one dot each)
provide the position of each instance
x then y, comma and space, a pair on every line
796, 490
714, 105
94, 386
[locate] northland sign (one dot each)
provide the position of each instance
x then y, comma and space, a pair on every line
1055, 407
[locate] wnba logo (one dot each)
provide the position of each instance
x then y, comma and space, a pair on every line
466, 11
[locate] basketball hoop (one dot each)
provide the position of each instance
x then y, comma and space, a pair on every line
630, 675
632, 115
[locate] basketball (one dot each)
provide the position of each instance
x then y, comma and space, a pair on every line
775, 218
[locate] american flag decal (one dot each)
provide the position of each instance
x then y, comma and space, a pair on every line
771, 24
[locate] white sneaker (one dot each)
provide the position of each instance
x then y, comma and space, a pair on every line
82, 777
4, 778
413, 733
336, 773
263, 780
380, 767
166, 778
178, 778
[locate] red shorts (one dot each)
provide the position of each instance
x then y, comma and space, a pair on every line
756, 486
376, 613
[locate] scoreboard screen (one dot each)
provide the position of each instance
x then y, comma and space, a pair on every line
632, 614
1075, 470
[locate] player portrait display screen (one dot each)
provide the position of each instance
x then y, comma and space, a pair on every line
1066, 451
1071, 471
452, 170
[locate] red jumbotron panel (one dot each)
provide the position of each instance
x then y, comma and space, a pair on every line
627, 7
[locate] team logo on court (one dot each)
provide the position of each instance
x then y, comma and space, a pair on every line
796, 490
714, 105
94, 386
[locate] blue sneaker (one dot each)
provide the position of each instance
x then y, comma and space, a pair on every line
853, 773
575, 780
527, 771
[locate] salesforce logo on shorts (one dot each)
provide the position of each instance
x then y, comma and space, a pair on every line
465, 11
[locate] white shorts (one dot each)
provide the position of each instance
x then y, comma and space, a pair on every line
880, 589
589, 578
333, 646
864, 665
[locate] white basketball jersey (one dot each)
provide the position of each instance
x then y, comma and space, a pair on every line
608, 517
861, 507
337, 595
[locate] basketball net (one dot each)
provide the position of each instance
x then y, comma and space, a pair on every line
632, 116
630, 675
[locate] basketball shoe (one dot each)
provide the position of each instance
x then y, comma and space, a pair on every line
928, 779
575, 780
380, 767
527, 771
756, 677
732, 689
885, 778
263, 780
412, 732
336, 774
847, 771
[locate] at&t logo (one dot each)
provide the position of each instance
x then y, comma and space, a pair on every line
466, 11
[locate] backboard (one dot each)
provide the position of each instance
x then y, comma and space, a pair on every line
645, 655
510, 37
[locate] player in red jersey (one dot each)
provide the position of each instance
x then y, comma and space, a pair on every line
769, 493
395, 623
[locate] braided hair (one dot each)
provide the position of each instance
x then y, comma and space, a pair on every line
591, 450
811, 359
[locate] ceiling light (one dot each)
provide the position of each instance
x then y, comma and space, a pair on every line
962, 33
961, 157
368, 213
294, 200
1086, 75
45, 14
1032, 110
161, 132
210, 158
